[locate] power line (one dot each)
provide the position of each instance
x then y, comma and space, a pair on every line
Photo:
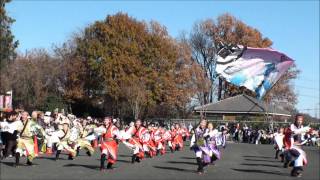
303, 95
310, 109
304, 79
305, 87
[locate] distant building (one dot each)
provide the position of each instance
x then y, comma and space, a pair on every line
242, 107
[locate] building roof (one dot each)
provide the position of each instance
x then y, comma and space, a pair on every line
241, 104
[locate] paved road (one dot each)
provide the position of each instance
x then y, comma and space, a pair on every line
239, 161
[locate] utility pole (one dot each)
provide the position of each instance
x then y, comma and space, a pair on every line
219, 88
315, 111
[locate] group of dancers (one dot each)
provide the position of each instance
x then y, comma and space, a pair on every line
24, 135
288, 145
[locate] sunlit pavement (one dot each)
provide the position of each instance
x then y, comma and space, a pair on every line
239, 161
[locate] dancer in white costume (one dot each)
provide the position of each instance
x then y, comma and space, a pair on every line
278, 143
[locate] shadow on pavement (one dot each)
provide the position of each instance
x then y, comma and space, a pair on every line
94, 167
21, 164
267, 165
54, 159
179, 162
121, 155
264, 157
187, 158
83, 155
8, 163
260, 171
49, 158
263, 160
175, 169
121, 160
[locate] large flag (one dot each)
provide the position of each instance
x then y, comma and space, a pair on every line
257, 69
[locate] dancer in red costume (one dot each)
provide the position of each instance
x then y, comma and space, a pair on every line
159, 140
138, 140
151, 144
109, 143
185, 133
177, 141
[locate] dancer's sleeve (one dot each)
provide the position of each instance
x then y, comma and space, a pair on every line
192, 141
36, 129
302, 130
116, 133
19, 125
299, 130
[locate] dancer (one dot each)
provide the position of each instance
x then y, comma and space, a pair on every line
211, 138
25, 144
81, 141
150, 141
298, 155
129, 139
159, 140
177, 140
49, 129
199, 145
138, 140
109, 143
9, 134
185, 132
221, 139
64, 142
170, 141
278, 143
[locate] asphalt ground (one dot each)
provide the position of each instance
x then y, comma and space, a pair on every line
239, 161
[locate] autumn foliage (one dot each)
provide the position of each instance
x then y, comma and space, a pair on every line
205, 38
128, 65
133, 69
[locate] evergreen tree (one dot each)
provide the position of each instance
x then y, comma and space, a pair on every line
7, 42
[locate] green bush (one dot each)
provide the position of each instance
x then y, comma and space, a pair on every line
53, 102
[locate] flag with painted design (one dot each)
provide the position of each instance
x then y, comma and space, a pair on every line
257, 69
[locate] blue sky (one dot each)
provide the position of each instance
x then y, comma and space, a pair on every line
292, 26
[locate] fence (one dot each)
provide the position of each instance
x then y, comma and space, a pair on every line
248, 122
